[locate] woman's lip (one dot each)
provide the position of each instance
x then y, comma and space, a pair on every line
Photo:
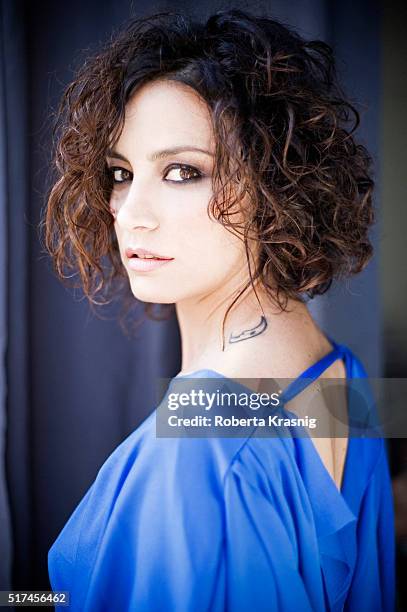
131, 251
145, 265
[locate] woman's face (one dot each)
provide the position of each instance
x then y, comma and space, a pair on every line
161, 167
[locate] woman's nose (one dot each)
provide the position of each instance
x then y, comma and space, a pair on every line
134, 210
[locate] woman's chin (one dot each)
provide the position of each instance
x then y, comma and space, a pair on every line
152, 295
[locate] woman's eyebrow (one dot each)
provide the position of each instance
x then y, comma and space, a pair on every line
179, 149
115, 154
161, 154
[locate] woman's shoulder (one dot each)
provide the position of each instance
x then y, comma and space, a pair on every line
147, 454
198, 477
186, 469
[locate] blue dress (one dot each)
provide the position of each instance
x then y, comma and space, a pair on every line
237, 524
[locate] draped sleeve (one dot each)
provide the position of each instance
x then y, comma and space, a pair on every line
148, 535
265, 568
191, 525
373, 583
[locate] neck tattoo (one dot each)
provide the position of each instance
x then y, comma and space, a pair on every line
249, 333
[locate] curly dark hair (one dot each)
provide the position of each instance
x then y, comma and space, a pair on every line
284, 139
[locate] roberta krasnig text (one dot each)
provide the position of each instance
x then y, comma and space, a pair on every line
221, 421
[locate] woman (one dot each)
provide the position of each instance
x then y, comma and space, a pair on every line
212, 165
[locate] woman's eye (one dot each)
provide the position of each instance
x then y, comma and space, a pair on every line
181, 173
120, 175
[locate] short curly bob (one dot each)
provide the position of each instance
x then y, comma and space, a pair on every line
283, 140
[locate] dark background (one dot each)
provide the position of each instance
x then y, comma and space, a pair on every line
72, 385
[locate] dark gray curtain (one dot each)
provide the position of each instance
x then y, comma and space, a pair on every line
15, 449
76, 387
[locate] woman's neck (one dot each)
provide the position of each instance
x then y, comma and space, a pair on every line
253, 335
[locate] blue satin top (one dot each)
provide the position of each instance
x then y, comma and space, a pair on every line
214, 524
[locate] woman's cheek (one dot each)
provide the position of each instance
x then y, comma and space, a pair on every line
114, 205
